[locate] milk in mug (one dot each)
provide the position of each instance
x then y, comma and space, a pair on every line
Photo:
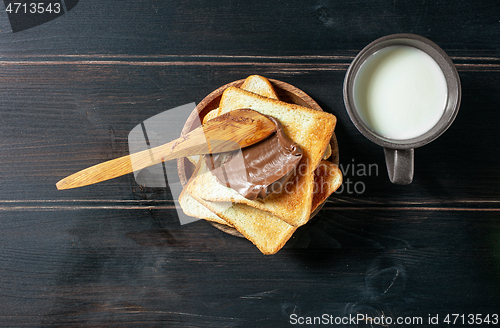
400, 92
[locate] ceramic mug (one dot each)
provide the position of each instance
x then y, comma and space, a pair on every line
399, 152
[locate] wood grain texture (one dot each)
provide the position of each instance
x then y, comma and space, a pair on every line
114, 254
74, 118
100, 267
319, 27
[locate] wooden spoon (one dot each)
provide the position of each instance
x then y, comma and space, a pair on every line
231, 131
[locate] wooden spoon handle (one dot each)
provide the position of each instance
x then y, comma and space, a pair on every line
97, 173
231, 131
126, 164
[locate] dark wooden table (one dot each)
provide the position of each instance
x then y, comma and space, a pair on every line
115, 254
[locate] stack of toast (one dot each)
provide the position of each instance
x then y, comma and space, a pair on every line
269, 222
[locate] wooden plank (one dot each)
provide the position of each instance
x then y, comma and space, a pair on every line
248, 28
116, 266
58, 119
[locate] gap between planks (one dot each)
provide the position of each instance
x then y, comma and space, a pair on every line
112, 204
301, 63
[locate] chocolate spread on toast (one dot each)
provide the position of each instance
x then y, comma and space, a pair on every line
258, 170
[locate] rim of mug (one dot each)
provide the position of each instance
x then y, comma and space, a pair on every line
449, 70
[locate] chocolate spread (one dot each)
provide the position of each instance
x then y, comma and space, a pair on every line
258, 170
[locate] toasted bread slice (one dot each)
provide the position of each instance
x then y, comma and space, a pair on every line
259, 85
309, 128
263, 229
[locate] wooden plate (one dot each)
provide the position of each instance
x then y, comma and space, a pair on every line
286, 92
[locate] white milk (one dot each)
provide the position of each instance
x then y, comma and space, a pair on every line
400, 92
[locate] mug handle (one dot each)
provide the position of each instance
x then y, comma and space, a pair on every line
399, 165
